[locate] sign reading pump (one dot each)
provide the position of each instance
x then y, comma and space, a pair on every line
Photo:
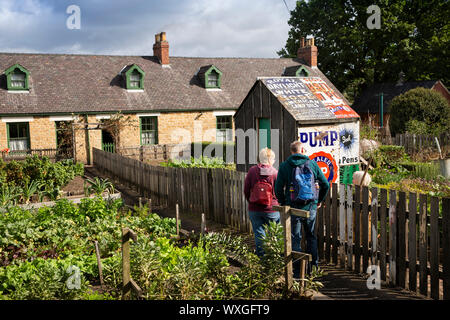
331, 146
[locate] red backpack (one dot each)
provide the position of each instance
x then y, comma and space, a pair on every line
261, 192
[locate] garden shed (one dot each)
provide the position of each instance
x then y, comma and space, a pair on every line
280, 110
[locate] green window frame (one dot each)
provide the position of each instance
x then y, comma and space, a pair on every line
135, 78
213, 78
224, 129
148, 130
302, 72
17, 78
18, 133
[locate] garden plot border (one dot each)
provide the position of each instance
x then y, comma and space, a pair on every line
75, 200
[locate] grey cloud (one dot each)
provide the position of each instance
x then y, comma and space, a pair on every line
230, 28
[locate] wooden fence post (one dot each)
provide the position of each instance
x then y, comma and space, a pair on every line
446, 246
99, 264
342, 224
392, 238
128, 283
286, 220
203, 226
349, 227
126, 264
412, 241
177, 218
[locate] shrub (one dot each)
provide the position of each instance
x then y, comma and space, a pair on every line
368, 132
423, 105
202, 162
36, 175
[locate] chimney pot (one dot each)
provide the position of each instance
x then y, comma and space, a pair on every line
308, 53
161, 48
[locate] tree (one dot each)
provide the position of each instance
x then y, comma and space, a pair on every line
420, 110
414, 39
116, 124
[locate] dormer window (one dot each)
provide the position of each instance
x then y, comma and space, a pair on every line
296, 71
213, 79
210, 77
133, 77
135, 80
17, 78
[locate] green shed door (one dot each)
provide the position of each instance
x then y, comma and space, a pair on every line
263, 133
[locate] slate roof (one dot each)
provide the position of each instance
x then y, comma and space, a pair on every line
368, 100
61, 83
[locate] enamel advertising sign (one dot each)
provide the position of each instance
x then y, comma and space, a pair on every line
322, 145
331, 146
349, 143
329, 98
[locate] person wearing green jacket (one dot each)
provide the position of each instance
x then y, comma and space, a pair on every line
282, 186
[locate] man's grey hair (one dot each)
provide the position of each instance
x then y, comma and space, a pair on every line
296, 147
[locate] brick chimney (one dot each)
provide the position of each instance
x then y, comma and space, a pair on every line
161, 48
308, 52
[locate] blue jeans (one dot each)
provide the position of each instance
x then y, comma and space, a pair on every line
258, 220
311, 239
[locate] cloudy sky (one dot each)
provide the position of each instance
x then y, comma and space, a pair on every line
197, 28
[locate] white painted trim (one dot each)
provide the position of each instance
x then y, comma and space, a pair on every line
223, 113
63, 118
103, 116
214, 89
17, 119
136, 90
18, 91
148, 114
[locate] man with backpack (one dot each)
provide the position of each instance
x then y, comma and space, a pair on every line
259, 192
301, 184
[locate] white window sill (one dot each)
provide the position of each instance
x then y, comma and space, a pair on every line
213, 89
18, 91
137, 90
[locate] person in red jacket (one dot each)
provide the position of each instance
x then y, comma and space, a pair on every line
259, 190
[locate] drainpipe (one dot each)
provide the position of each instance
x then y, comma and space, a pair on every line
381, 109
88, 143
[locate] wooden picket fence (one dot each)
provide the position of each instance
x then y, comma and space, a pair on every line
406, 235
415, 143
23, 154
216, 192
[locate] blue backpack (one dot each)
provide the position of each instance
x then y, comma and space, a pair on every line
303, 186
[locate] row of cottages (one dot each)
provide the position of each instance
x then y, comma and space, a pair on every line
41, 94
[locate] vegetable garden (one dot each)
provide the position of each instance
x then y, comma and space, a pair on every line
41, 248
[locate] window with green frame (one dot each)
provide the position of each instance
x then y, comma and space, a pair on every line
18, 136
149, 130
17, 78
213, 78
135, 80
134, 77
224, 129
